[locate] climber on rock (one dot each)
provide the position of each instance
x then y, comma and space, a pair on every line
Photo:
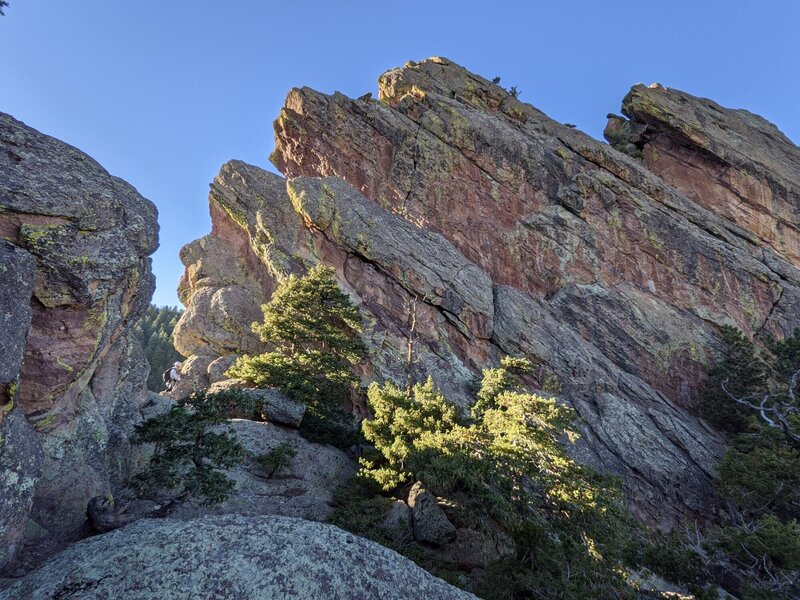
172, 376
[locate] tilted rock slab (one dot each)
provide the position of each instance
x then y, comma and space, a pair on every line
231, 557
733, 162
89, 236
274, 405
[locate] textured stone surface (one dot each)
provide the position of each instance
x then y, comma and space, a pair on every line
17, 268
253, 213
83, 375
733, 162
476, 549
219, 367
230, 557
424, 263
518, 235
274, 406
304, 489
21, 460
624, 270
428, 519
20, 450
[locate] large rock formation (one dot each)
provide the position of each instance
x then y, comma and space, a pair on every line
20, 450
518, 235
75, 279
230, 557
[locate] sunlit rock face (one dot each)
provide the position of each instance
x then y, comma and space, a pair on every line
519, 235
87, 236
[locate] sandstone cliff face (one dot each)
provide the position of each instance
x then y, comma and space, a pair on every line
522, 236
80, 239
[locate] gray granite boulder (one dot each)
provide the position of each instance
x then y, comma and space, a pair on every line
230, 557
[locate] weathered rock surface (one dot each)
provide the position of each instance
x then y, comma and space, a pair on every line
20, 450
21, 459
88, 236
273, 405
303, 489
476, 548
428, 519
735, 163
232, 557
518, 235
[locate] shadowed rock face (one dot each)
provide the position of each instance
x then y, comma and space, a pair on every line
231, 557
303, 489
518, 236
87, 236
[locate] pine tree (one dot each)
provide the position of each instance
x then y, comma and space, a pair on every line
505, 465
743, 373
154, 331
190, 450
315, 332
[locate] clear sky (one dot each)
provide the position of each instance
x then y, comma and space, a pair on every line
163, 92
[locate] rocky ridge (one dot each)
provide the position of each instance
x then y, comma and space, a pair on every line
76, 278
611, 270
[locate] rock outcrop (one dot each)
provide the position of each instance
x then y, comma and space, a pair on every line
428, 520
302, 489
74, 256
232, 557
509, 233
20, 450
271, 405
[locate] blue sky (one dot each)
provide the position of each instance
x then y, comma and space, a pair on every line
162, 93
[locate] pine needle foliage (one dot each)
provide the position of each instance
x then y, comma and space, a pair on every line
506, 464
190, 449
745, 373
758, 542
315, 334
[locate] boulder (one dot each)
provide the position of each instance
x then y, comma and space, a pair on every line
274, 406
397, 522
429, 521
303, 489
477, 548
219, 367
230, 556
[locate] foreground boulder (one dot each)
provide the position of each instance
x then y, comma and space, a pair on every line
75, 279
230, 557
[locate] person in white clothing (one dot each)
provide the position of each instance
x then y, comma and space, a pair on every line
172, 376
